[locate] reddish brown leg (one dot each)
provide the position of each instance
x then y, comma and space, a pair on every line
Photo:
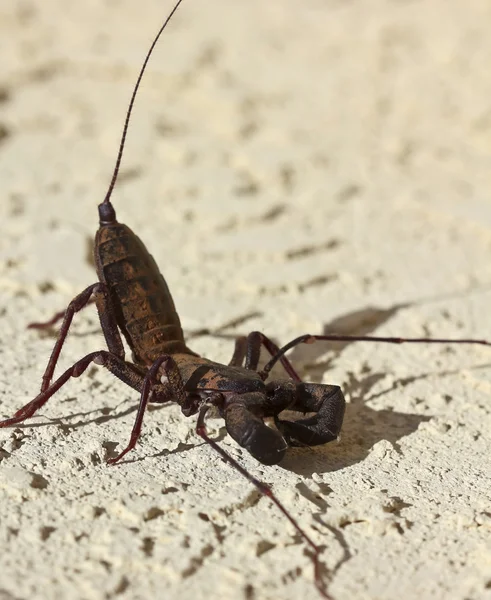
175, 390
240, 351
266, 491
108, 324
54, 319
250, 349
310, 339
126, 372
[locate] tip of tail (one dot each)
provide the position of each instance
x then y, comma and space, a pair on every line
107, 214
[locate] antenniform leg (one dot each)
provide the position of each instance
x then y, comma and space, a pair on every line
108, 324
327, 401
126, 372
266, 491
310, 339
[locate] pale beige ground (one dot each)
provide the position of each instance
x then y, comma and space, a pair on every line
321, 165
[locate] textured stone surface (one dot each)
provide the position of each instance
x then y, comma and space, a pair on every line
306, 166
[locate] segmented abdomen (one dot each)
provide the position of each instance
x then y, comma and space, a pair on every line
144, 308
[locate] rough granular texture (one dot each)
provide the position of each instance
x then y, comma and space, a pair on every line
293, 167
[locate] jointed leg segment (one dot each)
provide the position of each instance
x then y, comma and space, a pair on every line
54, 319
108, 324
173, 386
266, 491
249, 349
124, 371
310, 339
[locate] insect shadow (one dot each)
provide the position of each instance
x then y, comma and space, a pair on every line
364, 426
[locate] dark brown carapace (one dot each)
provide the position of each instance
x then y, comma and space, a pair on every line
133, 301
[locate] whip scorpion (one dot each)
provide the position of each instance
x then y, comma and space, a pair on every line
134, 302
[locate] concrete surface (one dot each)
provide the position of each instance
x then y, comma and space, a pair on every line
311, 166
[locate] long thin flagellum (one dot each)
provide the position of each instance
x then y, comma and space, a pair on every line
266, 491
310, 339
132, 102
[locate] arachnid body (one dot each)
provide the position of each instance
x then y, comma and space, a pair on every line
134, 302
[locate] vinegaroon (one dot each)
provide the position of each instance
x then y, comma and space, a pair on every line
132, 299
